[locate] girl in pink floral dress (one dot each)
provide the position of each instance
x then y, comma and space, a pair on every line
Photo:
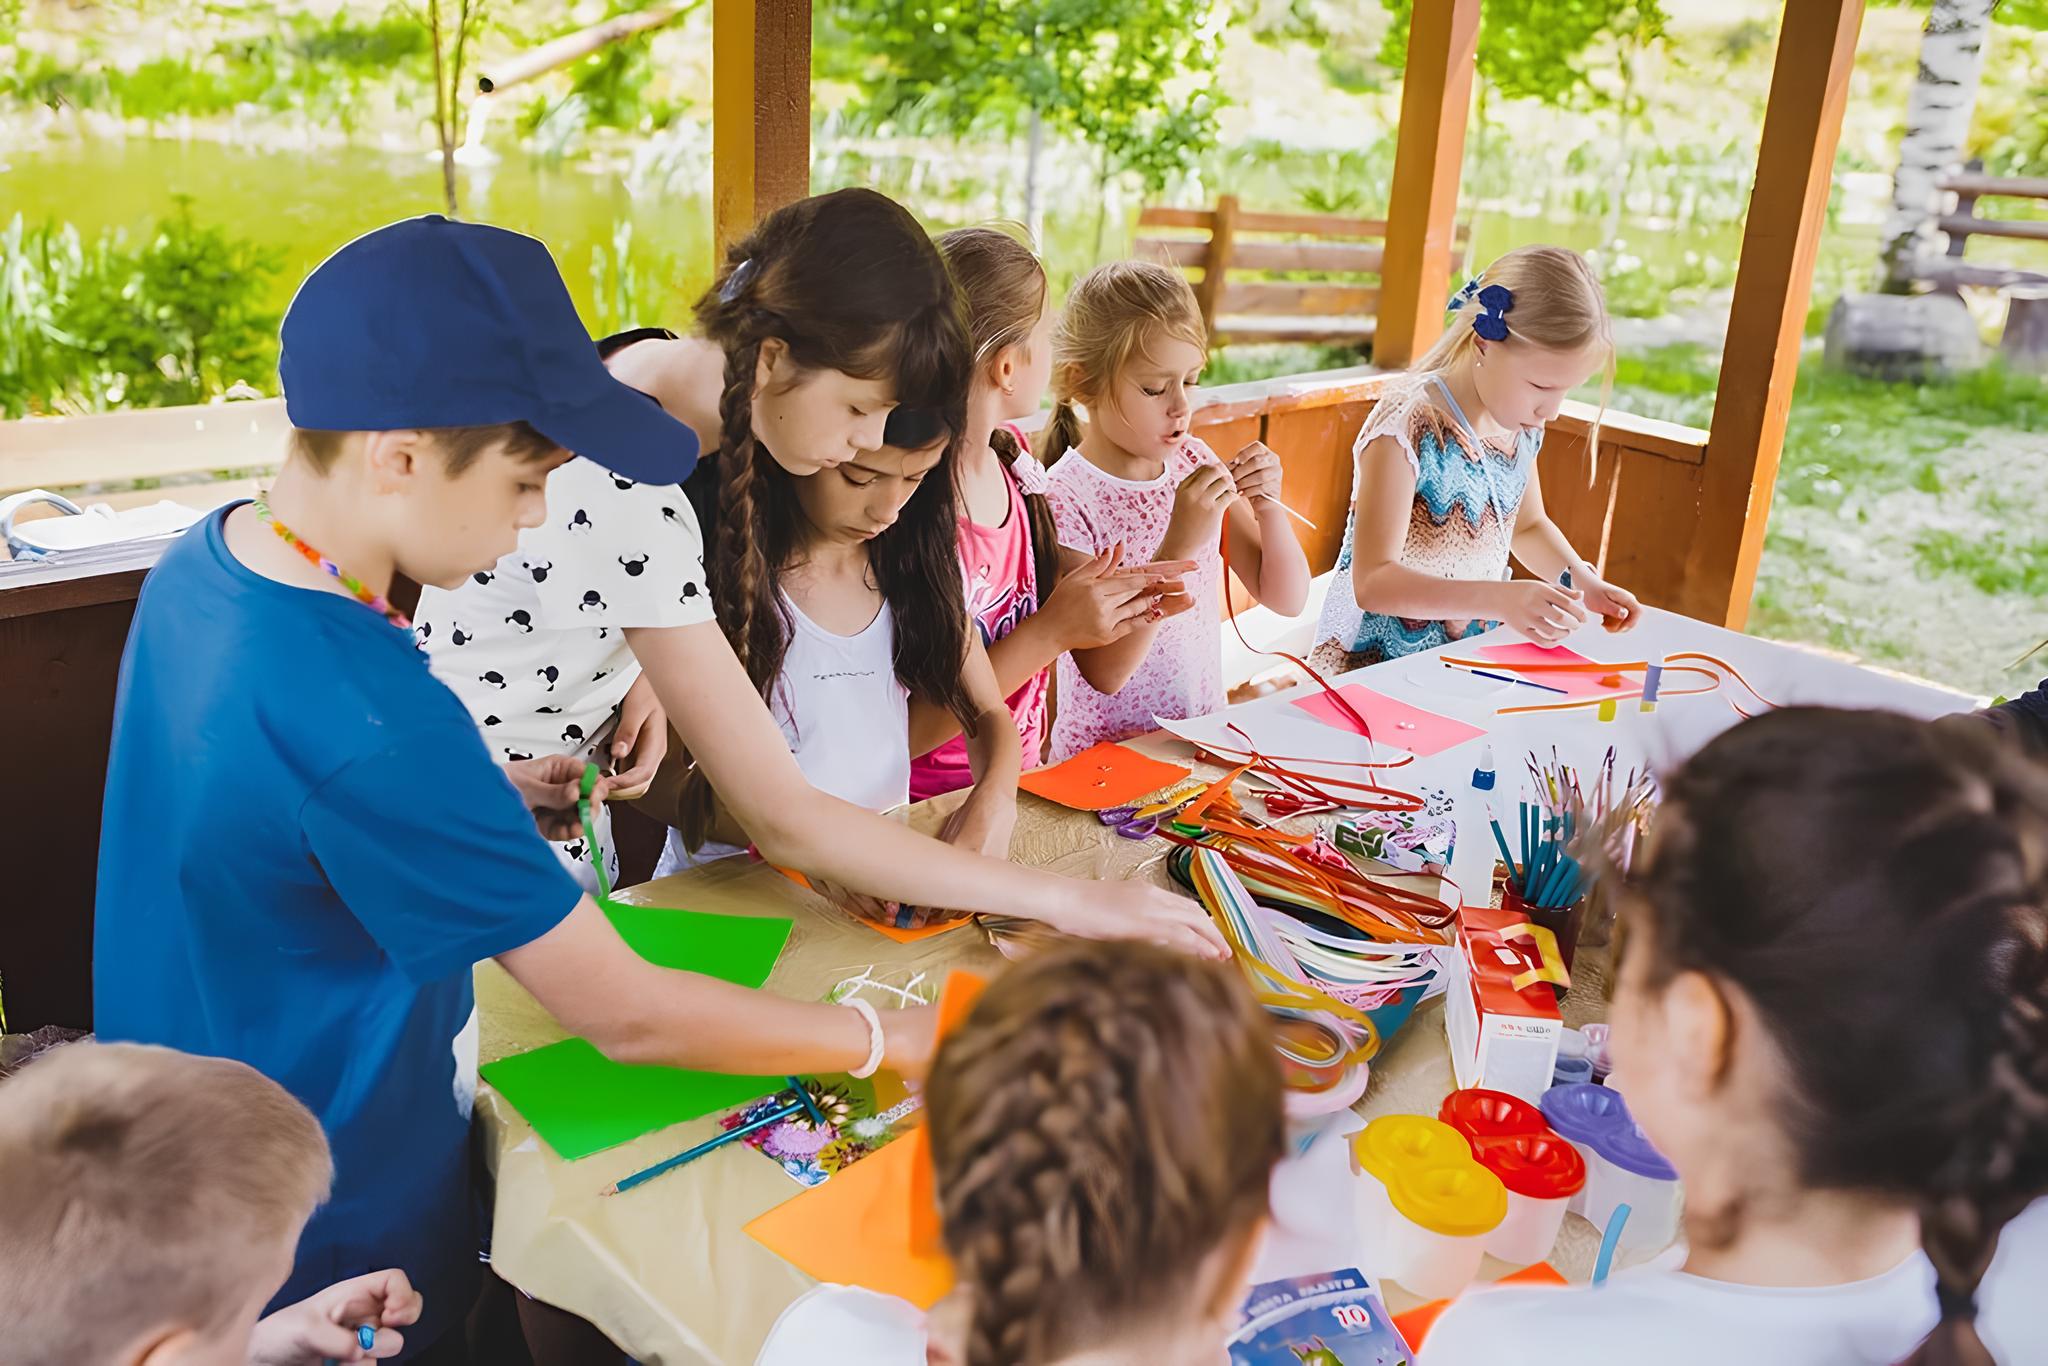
1130, 349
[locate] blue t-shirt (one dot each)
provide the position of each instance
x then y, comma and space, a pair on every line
306, 849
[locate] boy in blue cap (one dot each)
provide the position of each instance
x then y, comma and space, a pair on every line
306, 847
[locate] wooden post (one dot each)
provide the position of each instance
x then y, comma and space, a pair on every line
1429, 160
1216, 265
760, 110
1767, 318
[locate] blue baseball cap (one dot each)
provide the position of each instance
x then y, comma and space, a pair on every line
434, 323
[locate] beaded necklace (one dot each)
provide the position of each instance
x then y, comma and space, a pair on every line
376, 602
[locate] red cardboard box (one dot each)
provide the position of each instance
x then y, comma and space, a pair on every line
1500, 1013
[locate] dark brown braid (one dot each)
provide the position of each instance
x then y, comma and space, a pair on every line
1107, 1116
1875, 887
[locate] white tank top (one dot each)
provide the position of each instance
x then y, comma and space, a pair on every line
846, 718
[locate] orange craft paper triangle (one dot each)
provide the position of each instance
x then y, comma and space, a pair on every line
1414, 1325
864, 1226
1096, 779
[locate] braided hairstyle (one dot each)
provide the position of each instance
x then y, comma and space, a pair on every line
1105, 1118
1898, 960
848, 281
1005, 290
1110, 316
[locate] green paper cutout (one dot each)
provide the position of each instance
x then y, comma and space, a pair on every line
581, 1102
737, 948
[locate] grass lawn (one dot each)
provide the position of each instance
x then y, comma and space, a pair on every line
1910, 524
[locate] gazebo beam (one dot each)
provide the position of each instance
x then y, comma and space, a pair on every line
760, 110
1429, 160
1767, 319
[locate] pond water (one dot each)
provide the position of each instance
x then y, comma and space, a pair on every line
306, 203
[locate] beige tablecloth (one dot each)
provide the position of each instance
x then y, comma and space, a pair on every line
667, 1271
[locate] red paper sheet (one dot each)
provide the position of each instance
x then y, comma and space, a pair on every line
1575, 685
1394, 723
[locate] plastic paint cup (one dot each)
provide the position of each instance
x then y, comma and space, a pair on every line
1441, 1219
1480, 1114
1541, 1172
1630, 1171
1581, 1114
1385, 1147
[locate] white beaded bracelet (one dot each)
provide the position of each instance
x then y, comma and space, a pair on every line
875, 1039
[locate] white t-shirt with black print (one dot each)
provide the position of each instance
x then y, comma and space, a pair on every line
536, 646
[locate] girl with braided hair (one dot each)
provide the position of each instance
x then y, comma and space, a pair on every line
1832, 1016
1103, 1124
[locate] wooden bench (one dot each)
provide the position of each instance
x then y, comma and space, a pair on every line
1962, 223
1313, 276
2025, 342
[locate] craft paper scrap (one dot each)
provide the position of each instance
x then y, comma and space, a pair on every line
857, 1125
737, 948
1394, 723
581, 1102
1101, 777
1574, 685
855, 1230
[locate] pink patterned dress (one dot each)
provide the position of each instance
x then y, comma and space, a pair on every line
1182, 674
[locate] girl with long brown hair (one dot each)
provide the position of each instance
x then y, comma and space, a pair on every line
1832, 1016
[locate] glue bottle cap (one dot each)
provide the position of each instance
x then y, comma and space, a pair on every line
1483, 776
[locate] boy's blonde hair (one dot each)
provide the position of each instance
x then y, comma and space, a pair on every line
142, 1188
1559, 306
1113, 315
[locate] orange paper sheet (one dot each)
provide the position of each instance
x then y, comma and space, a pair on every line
889, 931
1099, 778
865, 1226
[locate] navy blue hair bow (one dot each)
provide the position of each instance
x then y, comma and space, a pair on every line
1493, 323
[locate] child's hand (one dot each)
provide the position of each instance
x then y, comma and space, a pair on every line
550, 786
1256, 471
1198, 507
1617, 607
1102, 601
909, 1038
1138, 910
323, 1326
983, 823
639, 743
858, 903
1543, 612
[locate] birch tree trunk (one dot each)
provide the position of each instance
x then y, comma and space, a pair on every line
1034, 152
1937, 123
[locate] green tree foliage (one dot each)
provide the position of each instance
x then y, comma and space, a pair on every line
1542, 49
1099, 70
90, 326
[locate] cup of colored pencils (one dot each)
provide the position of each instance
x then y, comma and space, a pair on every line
1548, 882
